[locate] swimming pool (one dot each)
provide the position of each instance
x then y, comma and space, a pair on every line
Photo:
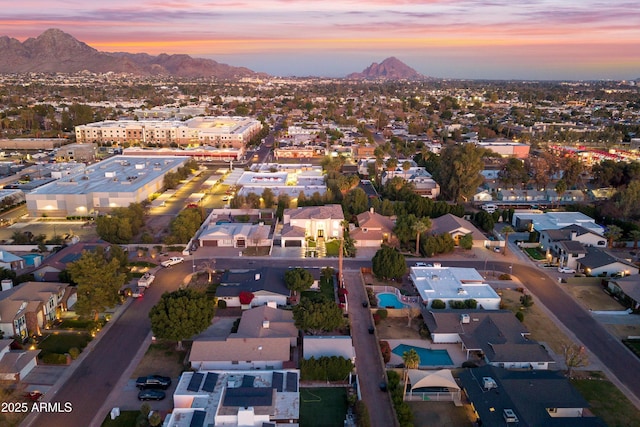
388, 300
428, 357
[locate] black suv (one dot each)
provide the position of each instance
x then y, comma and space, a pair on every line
153, 381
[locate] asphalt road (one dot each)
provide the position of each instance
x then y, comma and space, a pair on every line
97, 374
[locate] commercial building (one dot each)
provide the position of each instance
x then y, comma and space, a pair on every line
115, 182
219, 132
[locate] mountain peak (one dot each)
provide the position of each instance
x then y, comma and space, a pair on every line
391, 68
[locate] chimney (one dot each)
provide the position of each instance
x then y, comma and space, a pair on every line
265, 324
6, 284
574, 234
371, 210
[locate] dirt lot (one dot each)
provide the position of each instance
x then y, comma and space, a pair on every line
439, 414
542, 328
161, 359
396, 328
593, 297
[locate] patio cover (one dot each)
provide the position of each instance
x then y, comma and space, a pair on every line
441, 378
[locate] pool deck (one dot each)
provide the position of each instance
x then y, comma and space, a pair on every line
455, 352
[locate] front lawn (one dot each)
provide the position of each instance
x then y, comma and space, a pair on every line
535, 253
607, 402
323, 407
634, 345
77, 323
333, 248
61, 343
126, 419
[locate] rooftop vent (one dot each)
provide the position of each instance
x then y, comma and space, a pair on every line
265, 324
465, 318
488, 383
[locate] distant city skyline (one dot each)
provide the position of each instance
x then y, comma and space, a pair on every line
471, 39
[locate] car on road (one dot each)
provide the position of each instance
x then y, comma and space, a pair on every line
151, 394
421, 264
138, 291
566, 270
153, 381
172, 261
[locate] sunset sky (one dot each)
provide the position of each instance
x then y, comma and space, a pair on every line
476, 39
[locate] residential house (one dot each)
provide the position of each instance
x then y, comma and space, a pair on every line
483, 196
568, 244
317, 222
458, 227
600, 262
453, 284
423, 182
265, 284
317, 346
50, 268
537, 220
235, 235
524, 398
237, 398
373, 230
15, 364
10, 261
26, 309
496, 336
627, 289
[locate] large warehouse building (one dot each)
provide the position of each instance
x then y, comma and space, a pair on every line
115, 182
218, 132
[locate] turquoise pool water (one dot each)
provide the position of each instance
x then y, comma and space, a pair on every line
386, 300
427, 357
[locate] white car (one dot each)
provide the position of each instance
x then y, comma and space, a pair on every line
566, 270
138, 292
172, 261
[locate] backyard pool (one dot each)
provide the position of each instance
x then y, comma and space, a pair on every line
428, 357
388, 300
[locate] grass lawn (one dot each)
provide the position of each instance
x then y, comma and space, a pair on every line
608, 402
634, 345
76, 324
333, 248
61, 343
535, 253
126, 419
323, 407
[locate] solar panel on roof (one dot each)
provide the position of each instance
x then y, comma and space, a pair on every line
210, 382
277, 381
247, 381
196, 380
197, 420
70, 258
292, 382
251, 396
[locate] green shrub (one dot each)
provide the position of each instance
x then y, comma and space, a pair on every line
54, 359
385, 349
332, 368
363, 414
526, 300
438, 304
504, 276
383, 313
74, 352
520, 316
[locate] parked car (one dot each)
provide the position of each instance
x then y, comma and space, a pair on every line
151, 394
138, 292
566, 270
153, 381
146, 280
421, 264
172, 261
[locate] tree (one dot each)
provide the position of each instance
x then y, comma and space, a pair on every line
506, 231
388, 263
420, 226
635, 236
406, 165
575, 356
411, 360
612, 234
459, 171
317, 316
298, 279
268, 198
99, 281
466, 241
355, 202
513, 173
210, 267
181, 314
561, 187
184, 226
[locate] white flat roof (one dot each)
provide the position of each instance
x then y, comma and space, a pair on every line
447, 283
118, 174
556, 220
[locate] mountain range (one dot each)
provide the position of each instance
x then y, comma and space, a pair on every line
55, 51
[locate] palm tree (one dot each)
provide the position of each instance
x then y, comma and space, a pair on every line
406, 165
411, 360
506, 231
420, 226
612, 234
209, 267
